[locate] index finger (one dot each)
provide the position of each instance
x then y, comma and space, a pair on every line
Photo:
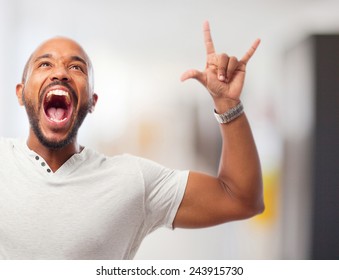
251, 51
208, 38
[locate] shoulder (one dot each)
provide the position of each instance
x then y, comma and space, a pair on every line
124, 163
7, 148
6, 143
102, 158
4, 140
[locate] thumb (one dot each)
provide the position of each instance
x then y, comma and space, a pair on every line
193, 74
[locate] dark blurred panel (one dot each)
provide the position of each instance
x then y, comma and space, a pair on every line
325, 240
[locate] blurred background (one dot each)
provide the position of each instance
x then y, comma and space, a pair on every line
139, 50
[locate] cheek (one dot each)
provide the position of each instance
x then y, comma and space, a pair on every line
82, 83
31, 98
34, 85
85, 92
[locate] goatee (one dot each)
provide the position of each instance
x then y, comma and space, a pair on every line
33, 117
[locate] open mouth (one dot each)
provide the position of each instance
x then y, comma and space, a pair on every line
58, 105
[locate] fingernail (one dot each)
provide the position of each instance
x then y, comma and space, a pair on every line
221, 77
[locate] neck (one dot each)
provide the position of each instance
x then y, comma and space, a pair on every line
55, 158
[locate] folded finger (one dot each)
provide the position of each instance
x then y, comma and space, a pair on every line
223, 61
231, 67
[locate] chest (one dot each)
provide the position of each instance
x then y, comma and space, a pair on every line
70, 217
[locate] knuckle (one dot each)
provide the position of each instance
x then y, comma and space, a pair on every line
223, 56
233, 58
222, 61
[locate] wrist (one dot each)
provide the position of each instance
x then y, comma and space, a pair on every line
230, 114
224, 105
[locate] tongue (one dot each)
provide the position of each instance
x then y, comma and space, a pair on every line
56, 113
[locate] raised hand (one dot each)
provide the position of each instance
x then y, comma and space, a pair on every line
233, 194
224, 75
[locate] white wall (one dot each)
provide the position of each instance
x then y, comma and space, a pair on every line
2, 69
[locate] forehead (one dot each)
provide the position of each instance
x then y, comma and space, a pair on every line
60, 48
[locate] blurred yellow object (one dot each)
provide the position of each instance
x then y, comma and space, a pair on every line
271, 181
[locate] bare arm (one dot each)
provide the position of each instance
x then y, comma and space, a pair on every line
236, 193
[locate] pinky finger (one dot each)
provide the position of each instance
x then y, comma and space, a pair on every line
250, 52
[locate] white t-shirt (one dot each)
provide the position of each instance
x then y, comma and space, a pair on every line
92, 207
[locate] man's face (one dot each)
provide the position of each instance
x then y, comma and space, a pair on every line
57, 91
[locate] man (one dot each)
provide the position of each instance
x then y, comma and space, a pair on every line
59, 200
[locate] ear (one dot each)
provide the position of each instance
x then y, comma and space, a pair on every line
19, 89
94, 102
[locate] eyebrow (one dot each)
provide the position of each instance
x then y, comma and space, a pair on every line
42, 57
78, 58
73, 58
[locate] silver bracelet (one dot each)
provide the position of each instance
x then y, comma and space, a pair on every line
230, 115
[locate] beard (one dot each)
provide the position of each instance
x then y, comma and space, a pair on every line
33, 117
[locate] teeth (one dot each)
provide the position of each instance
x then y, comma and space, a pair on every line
56, 120
59, 93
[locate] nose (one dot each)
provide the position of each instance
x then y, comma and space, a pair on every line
60, 73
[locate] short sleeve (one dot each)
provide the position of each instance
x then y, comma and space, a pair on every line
164, 191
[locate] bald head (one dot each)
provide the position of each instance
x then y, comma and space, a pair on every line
60, 45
